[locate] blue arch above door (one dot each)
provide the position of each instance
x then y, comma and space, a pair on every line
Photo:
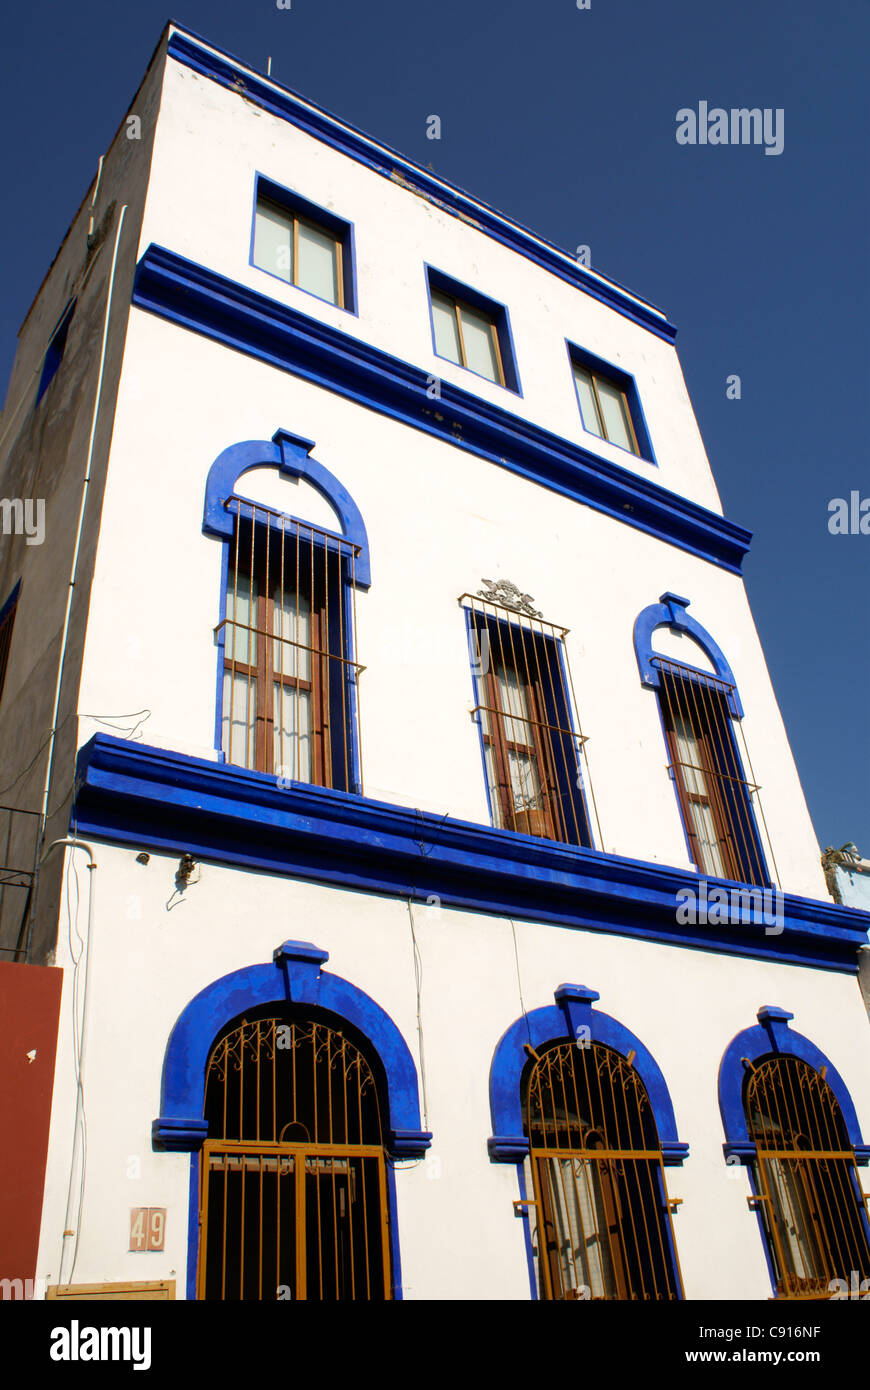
295, 976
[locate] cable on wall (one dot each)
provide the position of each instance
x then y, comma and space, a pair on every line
75, 1207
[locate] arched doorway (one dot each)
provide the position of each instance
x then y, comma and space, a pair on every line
293, 1190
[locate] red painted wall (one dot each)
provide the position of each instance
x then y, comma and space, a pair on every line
29, 1011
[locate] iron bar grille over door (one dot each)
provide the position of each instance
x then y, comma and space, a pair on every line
293, 1180
289, 673
523, 701
602, 1216
808, 1186
715, 798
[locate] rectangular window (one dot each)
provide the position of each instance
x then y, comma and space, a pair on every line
531, 751
288, 671
54, 353
7, 621
714, 796
471, 331
303, 245
604, 408
466, 336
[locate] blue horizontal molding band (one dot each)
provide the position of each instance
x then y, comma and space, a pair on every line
229, 72
199, 299
136, 795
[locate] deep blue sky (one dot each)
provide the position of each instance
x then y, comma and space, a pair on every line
565, 120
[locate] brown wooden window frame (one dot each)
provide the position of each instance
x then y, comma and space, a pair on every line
545, 732
316, 565
294, 220
595, 377
700, 701
458, 305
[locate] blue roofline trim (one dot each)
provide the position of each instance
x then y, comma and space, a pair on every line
295, 976
670, 612
230, 72
132, 794
573, 1011
772, 1036
199, 299
290, 454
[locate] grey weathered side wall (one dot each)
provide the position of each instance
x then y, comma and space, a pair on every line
43, 455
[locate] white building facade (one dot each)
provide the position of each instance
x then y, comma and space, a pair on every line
454, 926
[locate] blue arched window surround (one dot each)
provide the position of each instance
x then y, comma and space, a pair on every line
770, 1037
670, 611
295, 976
290, 454
571, 1012
703, 701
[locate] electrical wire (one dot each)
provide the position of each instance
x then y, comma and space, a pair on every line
519, 978
109, 721
418, 980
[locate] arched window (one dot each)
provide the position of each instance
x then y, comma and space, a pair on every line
789, 1118
287, 668
700, 712
293, 1179
807, 1185
602, 1213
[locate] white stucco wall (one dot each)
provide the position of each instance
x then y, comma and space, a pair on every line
439, 520
458, 1234
211, 144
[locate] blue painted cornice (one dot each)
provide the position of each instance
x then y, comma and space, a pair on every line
266, 93
221, 309
132, 794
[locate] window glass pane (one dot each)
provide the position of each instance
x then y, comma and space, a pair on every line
586, 396
291, 624
582, 1226
613, 406
699, 810
513, 700
446, 331
492, 784
477, 335
292, 731
317, 270
241, 636
689, 754
525, 784
239, 719
272, 248
709, 848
